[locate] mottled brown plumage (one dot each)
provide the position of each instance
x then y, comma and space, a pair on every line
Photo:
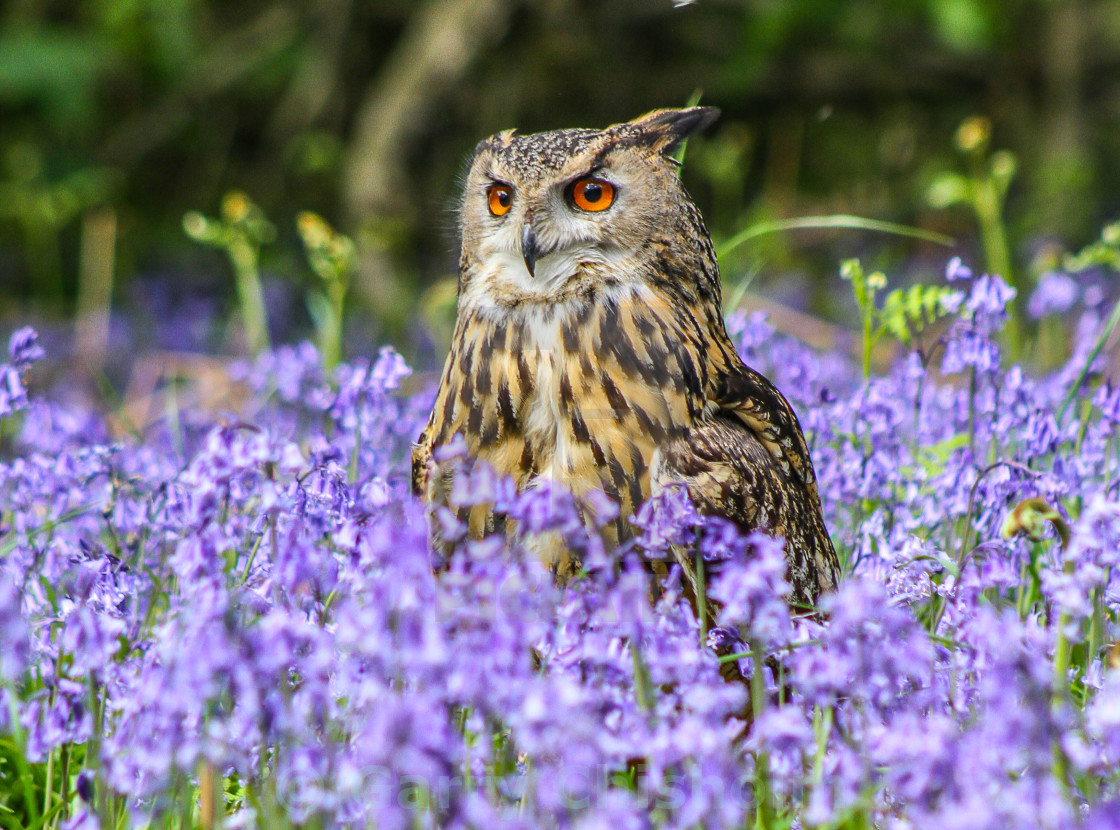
590, 347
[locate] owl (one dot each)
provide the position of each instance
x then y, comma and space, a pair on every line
590, 351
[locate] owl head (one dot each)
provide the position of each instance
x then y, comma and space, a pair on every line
554, 214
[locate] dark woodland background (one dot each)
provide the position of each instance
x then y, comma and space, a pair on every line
119, 116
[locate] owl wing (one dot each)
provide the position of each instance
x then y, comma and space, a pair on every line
748, 462
754, 401
421, 459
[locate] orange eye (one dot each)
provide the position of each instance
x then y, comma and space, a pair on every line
593, 194
500, 197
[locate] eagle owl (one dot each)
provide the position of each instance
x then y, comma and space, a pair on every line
590, 349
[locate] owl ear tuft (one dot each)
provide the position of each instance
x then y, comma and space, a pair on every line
662, 131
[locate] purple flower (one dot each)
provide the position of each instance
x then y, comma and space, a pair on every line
1104, 816
785, 734
969, 348
1107, 400
53, 719
874, 651
389, 370
24, 348
1055, 293
753, 591
82, 820
15, 648
253, 595
957, 270
13, 395
668, 518
970, 342
989, 297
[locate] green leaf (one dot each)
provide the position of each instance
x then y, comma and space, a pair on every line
907, 311
934, 457
835, 221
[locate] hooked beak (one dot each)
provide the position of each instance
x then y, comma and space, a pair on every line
530, 249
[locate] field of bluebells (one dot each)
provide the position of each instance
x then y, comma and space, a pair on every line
233, 620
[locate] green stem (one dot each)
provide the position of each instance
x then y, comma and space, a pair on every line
1061, 688
1023, 592
701, 598
244, 257
23, 768
822, 726
764, 817
1097, 347
758, 683
355, 453
64, 774
93, 753
988, 204
867, 339
643, 686
49, 784
972, 412
271, 524
1096, 623
332, 337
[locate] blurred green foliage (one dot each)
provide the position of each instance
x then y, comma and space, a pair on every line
334, 257
241, 231
363, 111
903, 313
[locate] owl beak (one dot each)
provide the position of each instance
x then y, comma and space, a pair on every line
530, 248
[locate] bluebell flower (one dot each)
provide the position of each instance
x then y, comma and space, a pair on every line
957, 270
24, 348
254, 595
752, 590
13, 395
1056, 293
15, 648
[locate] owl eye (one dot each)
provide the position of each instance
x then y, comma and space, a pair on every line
592, 194
499, 197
